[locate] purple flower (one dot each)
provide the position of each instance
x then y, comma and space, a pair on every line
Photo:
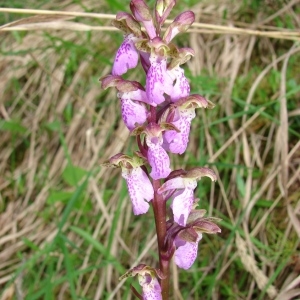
182, 199
181, 87
140, 189
157, 156
180, 24
131, 94
186, 252
126, 57
163, 9
142, 13
158, 82
176, 142
151, 287
147, 277
181, 115
182, 190
133, 112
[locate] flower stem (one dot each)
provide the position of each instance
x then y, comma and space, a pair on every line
159, 208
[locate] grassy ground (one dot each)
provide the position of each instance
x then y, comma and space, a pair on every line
66, 226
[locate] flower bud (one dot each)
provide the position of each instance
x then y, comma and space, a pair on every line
163, 9
141, 12
180, 24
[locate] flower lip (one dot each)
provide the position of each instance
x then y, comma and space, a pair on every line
126, 57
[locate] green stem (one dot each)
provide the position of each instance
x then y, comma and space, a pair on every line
159, 207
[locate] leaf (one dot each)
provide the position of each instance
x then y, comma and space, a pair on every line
59, 196
240, 185
53, 126
72, 174
12, 126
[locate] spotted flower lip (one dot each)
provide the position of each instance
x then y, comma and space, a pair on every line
151, 287
181, 114
181, 88
132, 96
185, 239
147, 277
140, 189
183, 192
126, 57
177, 142
158, 80
157, 156
186, 252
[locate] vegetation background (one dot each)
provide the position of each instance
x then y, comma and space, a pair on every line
66, 226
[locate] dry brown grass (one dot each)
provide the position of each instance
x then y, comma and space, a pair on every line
44, 96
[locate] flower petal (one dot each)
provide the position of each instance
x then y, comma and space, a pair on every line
186, 255
158, 81
159, 162
182, 204
172, 184
140, 189
176, 142
181, 87
151, 288
132, 112
127, 56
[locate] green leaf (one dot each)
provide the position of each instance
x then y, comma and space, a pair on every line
12, 126
59, 196
72, 174
53, 126
98, 246
240, 184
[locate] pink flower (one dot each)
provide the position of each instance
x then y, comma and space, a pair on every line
183, 188
126, 57
180, 24
181, 115
151, 287
157, 156
142, 13
182, 199
140, 189
147, 277
133, 112
158, 81
181, 87
176, 142
132, 95
186, 252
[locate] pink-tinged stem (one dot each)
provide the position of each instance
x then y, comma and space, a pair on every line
159, 207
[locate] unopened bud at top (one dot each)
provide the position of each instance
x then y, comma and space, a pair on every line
141, 12
180, 24
163, 9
